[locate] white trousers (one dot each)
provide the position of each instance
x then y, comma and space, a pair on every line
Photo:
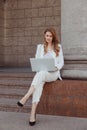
38, 82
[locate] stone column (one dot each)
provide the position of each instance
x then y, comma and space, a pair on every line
1, 32
74, 38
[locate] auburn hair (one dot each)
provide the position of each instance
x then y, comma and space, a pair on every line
55, 41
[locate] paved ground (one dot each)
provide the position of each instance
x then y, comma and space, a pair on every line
19, 121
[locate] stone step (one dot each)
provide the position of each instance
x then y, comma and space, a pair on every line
11, 96
17, 76
13, 91
14, 83
13, 88
11, 105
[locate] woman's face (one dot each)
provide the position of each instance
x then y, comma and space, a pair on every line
48, 37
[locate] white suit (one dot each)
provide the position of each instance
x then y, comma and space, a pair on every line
44, 76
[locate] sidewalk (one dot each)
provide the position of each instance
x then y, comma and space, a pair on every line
19, 121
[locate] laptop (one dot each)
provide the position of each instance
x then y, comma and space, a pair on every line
45, 64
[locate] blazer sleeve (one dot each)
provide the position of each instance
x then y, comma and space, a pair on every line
38, 51
59, 61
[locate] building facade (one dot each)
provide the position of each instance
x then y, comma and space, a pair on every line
23, 23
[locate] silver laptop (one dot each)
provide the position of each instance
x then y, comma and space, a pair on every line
45, 64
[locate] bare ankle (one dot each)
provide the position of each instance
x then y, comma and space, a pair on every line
32, 117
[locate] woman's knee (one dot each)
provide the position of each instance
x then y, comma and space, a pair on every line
42, 74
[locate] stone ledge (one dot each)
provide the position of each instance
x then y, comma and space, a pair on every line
65, 98
75, 74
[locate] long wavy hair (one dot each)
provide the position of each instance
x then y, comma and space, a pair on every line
55, 41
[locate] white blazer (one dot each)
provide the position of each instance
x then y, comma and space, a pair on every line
59, 60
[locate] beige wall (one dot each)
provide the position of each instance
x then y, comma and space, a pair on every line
1, 32
25, 21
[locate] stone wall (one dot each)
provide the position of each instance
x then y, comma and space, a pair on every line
1, 32
25, 21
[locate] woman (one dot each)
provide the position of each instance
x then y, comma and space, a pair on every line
50, 49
